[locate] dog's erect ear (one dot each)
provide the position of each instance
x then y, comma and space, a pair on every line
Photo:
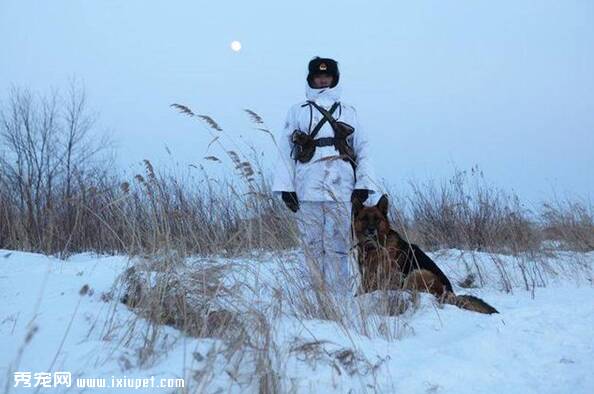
382, 205
357, 207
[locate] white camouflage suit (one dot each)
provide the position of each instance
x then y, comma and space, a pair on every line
324, 187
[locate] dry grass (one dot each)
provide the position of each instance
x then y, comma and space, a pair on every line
467, 213
570, 223
191, 296
56, 206
82, 204
207, 298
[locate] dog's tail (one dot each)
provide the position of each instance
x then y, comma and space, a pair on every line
470, 303
427, 281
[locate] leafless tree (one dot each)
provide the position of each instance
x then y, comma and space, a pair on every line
47, 143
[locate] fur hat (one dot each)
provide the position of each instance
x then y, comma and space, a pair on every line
319, 65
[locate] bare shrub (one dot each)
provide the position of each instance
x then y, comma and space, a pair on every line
467, 213
571, 223
49, 153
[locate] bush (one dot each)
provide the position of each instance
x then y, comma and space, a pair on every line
571, 223
467, 213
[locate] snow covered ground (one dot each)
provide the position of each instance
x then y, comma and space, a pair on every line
541, 342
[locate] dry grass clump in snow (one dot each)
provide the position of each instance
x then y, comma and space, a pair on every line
179, 296
571, 223
346, 360
194, 297
467, 213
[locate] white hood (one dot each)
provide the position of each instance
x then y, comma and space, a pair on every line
324, 97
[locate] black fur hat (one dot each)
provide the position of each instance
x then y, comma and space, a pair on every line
319, 65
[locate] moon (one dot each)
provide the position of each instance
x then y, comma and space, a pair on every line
236, 46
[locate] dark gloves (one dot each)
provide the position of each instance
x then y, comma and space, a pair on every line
360, 194
291, 201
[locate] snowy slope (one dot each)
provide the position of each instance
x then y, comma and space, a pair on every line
541, 342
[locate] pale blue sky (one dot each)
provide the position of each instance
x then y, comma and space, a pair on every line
507, 85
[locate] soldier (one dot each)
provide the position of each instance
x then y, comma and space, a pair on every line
323, 165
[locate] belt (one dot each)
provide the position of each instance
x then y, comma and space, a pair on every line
325, 141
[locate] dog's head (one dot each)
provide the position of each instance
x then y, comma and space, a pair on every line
371, 223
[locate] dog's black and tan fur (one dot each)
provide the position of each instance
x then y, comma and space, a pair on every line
387, 261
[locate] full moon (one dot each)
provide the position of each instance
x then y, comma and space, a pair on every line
236, 46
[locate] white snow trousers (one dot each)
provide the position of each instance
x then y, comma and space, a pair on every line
325, 229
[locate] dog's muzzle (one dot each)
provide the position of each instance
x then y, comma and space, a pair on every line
370, 239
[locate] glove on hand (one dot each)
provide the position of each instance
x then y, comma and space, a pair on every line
360, 194
291, 201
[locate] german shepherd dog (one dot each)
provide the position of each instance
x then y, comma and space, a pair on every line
388, 262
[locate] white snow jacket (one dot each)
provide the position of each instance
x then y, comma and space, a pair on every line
318, 179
